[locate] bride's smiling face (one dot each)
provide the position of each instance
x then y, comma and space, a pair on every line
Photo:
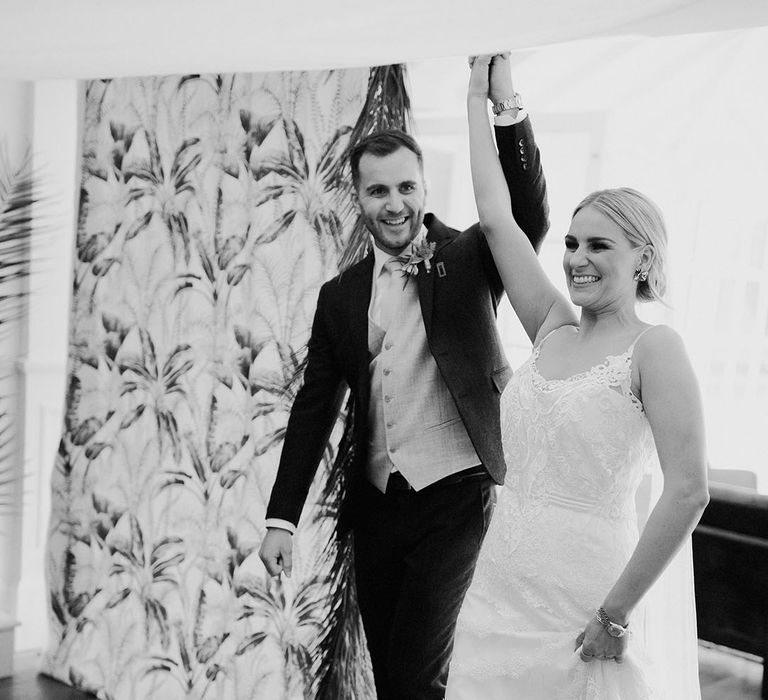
599, 262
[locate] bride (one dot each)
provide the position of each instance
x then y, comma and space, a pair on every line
580, 592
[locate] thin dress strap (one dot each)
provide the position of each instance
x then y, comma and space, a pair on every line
628, 354
538, 345
631, 348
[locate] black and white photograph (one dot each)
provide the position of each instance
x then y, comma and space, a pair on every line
414, 351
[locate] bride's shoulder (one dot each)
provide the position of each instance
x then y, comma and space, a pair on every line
658, 343
657, 335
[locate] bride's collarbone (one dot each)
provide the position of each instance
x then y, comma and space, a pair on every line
568, 355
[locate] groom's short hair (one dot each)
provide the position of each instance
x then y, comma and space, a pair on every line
379, 144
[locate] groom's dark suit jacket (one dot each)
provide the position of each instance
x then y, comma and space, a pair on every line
458, 302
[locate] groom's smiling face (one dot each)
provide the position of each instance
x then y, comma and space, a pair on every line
391, 195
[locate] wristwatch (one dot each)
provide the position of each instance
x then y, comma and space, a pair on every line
514, 102
613, 628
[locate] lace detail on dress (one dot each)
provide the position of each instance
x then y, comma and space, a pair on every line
614, 371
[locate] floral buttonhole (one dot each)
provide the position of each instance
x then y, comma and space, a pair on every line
420, 252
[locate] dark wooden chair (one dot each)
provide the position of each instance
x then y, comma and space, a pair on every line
730, 560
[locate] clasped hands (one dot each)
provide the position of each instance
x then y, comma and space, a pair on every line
596, 643
491, 77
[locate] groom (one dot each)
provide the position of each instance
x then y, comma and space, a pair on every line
411, 330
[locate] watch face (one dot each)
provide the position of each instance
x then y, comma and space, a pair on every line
615, 630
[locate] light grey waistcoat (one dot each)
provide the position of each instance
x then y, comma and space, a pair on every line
414, 425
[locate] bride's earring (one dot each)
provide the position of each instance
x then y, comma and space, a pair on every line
640, 275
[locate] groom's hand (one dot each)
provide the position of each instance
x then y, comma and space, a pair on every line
500, 87
277, 551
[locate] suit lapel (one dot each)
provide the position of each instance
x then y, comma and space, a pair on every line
426, 286
440, 234
359, 298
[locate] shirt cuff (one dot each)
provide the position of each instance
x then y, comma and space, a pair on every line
281, 524
509, 120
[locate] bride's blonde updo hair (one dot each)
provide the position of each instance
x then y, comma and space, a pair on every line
643, 224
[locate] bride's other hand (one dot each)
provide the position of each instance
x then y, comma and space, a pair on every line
596, 643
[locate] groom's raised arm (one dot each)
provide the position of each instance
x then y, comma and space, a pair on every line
519, 155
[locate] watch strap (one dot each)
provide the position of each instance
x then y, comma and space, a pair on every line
514, 102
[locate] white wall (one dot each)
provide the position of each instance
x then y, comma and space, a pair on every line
15, 139
56, 146
41, 117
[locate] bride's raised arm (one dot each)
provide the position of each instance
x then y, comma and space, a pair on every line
537, 303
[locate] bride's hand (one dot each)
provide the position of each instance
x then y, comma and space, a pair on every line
478, 79
596, 643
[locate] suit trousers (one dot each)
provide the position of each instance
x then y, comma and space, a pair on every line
415, 553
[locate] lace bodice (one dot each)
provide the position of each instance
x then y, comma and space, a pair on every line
583, 440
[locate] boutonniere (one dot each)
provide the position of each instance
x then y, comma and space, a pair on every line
420, 252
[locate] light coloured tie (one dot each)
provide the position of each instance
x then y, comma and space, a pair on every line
386, 293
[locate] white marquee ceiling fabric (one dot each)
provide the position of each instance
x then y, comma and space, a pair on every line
93, 38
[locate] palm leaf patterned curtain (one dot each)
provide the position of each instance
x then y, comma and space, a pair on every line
212, 208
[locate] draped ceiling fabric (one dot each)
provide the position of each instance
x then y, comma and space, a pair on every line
92, 38
212, 208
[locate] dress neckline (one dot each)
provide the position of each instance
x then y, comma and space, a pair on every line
600, 366
578, 375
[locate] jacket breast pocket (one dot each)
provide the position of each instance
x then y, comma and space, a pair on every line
500, 377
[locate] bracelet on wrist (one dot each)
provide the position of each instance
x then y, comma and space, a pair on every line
614, 629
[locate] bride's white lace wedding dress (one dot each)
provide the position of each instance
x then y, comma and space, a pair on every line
579, 453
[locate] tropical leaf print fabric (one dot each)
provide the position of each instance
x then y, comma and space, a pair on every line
212, 208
